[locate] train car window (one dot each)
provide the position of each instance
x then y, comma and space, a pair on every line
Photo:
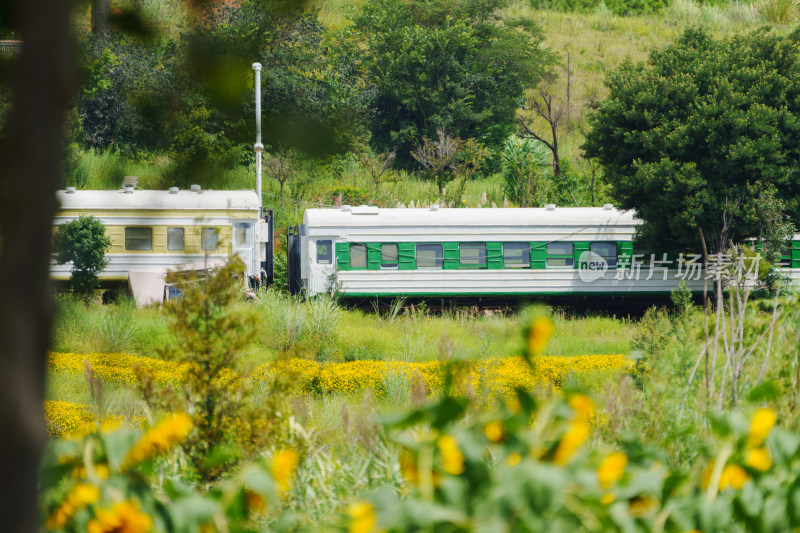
429, 255
472, 254
389, 253
324, 252
209, 239
516, 255
243, 234
606, 250
175, 239
358, 256
139, 239
560, 254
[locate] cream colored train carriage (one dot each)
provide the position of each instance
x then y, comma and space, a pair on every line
152, 232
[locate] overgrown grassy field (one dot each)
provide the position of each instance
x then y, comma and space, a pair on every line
655, 398
321, 330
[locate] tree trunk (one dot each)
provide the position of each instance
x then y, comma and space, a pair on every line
554, 147
30, 175
101, 12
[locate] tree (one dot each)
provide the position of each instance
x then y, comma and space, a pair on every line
31, 145
278, 166
544, 104
101, 11
376, 165
438, 157
448, 64
84, 242
695, 138
470, 160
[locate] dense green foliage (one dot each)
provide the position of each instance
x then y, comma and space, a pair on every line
618, 7
401, 72
523, 163
449, 66
84, 242
703, 134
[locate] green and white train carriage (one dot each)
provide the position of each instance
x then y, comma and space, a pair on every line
153, 232
498, 252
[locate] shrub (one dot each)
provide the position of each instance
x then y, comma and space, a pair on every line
523, 162
212, 335
84, 242
350, 195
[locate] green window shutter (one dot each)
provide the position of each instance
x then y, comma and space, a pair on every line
451, 258
624, 251
407, 259
579, 248
494, 255
342, 256
539, 255
374, 256
795, 254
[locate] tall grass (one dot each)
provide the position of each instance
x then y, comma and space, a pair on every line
119, 327
779, 11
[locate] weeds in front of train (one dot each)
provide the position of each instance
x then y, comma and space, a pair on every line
650, 455
535, 460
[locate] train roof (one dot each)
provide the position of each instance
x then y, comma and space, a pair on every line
347, 216
156, 200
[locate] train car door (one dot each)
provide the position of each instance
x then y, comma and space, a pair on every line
293, 260
244, 244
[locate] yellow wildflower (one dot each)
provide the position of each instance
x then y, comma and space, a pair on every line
284, 463
363, 517
85, 494
452, 458
255, 501
514, 459
760, 426
582, 405
493, 374
80, 496
161, 437
494, 431
101, 470
513, 405
612, 469
759, 459
607, 498
643, 505
576, 435
733, 476
408, 467
123, 517
539, 333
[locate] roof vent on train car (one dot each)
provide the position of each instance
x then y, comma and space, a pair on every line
550, 207
347, 208
173, 190
128, 189
196, 188
608, 207
434, 207
130, 181
365, 210
70, 190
